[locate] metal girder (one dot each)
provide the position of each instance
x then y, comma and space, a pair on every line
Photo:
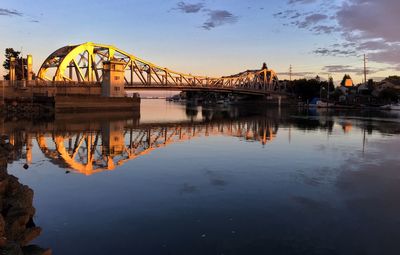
142, 73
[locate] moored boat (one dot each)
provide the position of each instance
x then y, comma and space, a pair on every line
393, 107
323, 104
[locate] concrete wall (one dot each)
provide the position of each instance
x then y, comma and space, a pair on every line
91, 103
12, 92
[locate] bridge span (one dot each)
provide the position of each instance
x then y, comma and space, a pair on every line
82, 64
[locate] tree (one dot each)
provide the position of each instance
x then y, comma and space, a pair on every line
393, 79
370, 85
307, 89
389, 95
9, 53
345, 77
337, 93
331, 84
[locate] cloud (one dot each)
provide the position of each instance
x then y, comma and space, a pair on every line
301, 1
215, 18
390, 54
218, 18
312, 19
363, 26
342, 69
367, 19
323, 29
335, 52
350, 69
189, 8
284, 14
297, 74
373, 24
291, 14
8, 12
307, 20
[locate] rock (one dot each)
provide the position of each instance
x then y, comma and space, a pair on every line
35, 250
17, 228
11, 249
3, 241
29, 235
3, 186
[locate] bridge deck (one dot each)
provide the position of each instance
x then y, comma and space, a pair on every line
94, 88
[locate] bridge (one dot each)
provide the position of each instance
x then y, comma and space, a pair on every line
82, 64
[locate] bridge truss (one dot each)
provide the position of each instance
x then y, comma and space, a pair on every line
84, 64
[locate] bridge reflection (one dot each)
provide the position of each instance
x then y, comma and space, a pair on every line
93, 144
90, 152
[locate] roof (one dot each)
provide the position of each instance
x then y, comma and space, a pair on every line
348, 83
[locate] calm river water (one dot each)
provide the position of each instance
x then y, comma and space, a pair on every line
213, 180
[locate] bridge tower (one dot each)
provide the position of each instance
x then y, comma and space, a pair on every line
113, 138
29, 63
13, 63
113, 84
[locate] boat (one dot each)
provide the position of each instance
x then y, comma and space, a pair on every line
322, 104
393, 107
316, 102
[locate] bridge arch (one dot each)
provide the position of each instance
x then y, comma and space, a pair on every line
83, 63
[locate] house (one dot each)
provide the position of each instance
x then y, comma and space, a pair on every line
348, 83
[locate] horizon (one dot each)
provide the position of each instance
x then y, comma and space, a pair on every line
221, 37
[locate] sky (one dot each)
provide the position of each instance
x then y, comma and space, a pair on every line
217, 37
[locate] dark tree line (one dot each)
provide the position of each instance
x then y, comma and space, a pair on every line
309, 89
19, 66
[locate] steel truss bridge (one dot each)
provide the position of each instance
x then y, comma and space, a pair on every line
93, 152
84, 64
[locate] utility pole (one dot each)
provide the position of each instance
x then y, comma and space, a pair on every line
329, 86
365, 69
290, 72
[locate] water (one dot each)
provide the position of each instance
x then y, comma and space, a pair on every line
214, 180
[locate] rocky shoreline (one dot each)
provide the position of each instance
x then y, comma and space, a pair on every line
17, 228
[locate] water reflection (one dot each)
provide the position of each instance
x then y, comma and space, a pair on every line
90, 145
214, 180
